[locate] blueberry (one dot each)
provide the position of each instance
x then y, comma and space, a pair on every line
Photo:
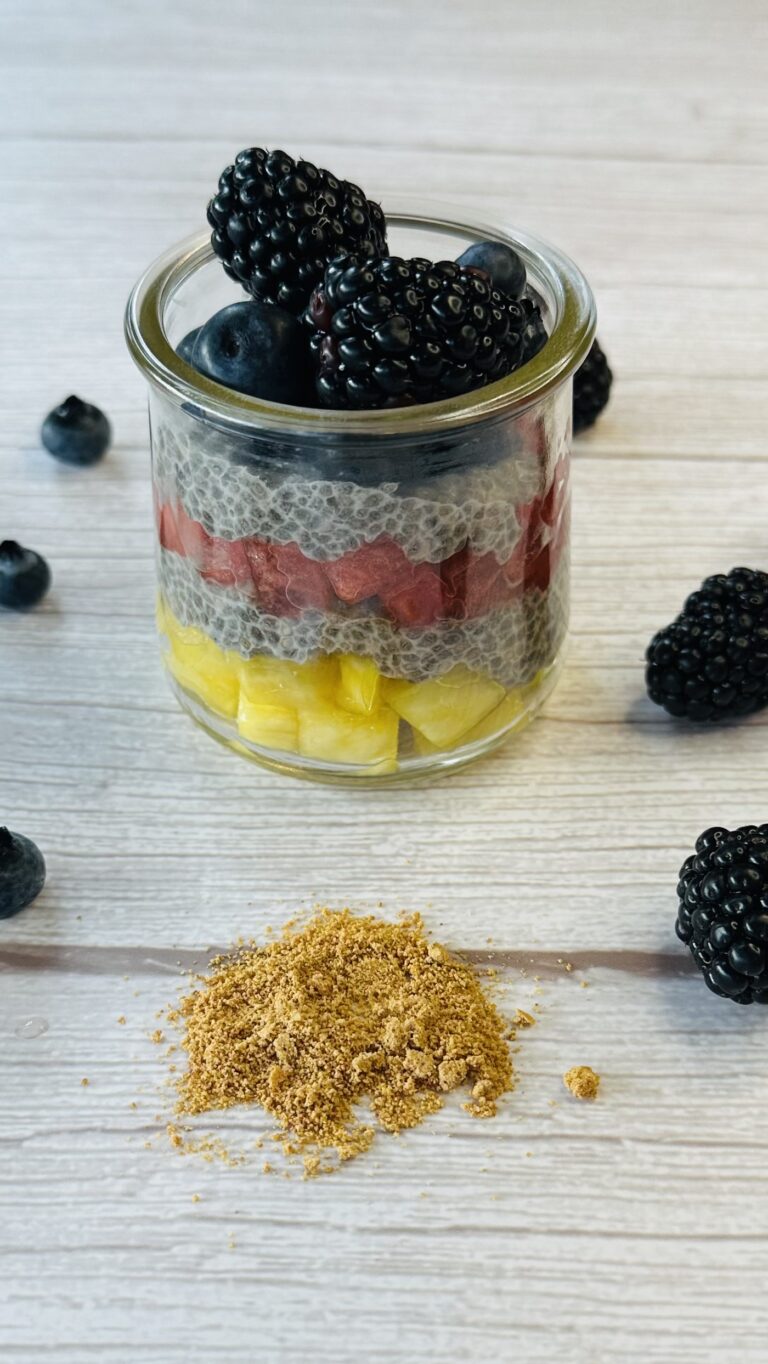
186, 346
76, 432
258, 349
24, 576
22, 872
504, 266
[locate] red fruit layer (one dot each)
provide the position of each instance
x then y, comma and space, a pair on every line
285, 582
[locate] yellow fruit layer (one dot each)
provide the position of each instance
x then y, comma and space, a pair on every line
339, 709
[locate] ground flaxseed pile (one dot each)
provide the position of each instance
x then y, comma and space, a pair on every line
342, 1010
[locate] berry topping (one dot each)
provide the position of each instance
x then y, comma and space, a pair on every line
591, 389
392, 332
711, 663
278, 222
22, 872
24, 576
76, 432
723, 911
257, 349
500, 263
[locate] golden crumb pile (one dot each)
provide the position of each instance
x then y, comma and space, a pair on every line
338, 1011
582, 1082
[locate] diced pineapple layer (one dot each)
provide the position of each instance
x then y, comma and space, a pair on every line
360, 685
334, 735
444, 709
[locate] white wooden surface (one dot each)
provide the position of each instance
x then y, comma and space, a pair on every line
636, 136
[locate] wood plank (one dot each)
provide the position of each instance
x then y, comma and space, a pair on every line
577, 1215
650, 80
631, 1230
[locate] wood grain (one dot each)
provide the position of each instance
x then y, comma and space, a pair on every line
630, 1230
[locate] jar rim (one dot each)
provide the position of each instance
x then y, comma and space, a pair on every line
549, 268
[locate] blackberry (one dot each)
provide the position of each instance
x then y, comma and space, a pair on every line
723, 911
591, 389
534, 331
278, 222
711, 663
393, 332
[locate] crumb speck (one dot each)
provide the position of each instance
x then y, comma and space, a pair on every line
582, 1082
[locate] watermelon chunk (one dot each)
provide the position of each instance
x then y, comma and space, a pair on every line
419, 601
305, 582
268, 583
538, 572
168, 530
474, 583
552, 502
370, 571
226, 563
561, 534
178, 532
194, 539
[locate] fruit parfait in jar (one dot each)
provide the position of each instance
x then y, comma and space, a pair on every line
360, 439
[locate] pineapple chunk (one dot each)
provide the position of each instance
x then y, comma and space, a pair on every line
278, 682
512, 711
334, 735
217, 687
508, 712
263, 723
201, 667
445, 709
191, 647
360, 688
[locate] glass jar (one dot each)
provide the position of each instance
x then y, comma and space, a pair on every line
361, 595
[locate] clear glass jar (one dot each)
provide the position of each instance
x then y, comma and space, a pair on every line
361, 595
